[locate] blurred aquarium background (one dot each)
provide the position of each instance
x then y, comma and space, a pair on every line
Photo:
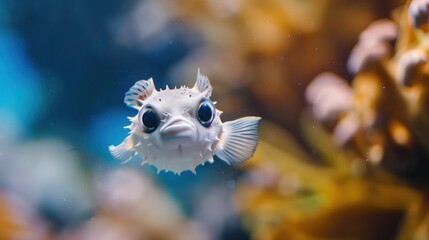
341, 85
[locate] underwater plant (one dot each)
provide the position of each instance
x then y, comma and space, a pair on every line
367, 175
132, 206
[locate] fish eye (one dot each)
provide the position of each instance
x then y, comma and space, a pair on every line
205, 113
150, 120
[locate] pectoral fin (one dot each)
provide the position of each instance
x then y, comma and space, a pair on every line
203, 84
124, 151
239, 140
139, 92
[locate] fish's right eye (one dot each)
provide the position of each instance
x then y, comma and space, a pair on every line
150, 120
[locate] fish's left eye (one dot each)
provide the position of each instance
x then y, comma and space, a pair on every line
149, 120
205, 113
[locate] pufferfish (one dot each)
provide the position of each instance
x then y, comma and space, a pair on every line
178, 129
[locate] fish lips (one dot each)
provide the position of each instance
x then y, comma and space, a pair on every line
178, 130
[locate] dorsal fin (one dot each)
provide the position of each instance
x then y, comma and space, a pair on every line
139, 92
203, 84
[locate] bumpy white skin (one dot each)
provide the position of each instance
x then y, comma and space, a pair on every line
180, 142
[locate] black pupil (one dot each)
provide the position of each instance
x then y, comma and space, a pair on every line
150, 120
205, 112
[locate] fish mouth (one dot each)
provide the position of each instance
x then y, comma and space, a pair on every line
176, 129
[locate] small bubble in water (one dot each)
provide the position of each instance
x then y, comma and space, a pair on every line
230, 184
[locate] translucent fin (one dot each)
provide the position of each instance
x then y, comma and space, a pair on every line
139, 92
124, 151
203, 84
239, 140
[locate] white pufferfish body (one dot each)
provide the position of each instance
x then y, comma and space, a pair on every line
178, 129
